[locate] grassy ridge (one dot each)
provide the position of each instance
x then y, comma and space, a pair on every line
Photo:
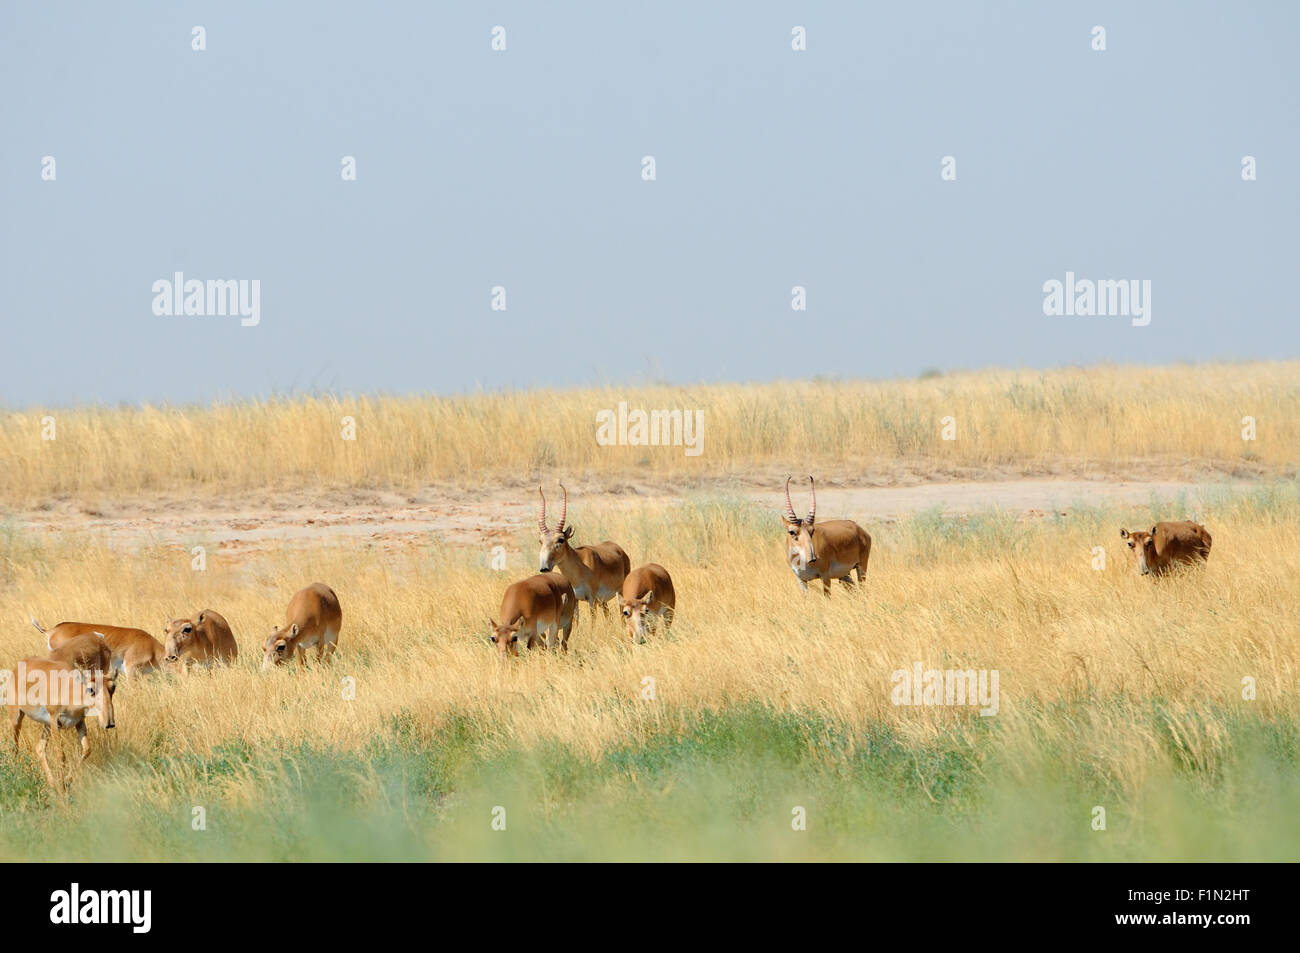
1115, 691
1071, 418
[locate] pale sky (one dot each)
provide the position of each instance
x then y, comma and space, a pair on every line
523, 168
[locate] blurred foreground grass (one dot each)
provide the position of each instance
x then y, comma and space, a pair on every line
723, 786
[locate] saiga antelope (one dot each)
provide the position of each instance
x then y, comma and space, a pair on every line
647, 595
1167, 545
595, 572
826, 551
314, 617
134, 650
541, 606
56, 694
206, 639
90, 652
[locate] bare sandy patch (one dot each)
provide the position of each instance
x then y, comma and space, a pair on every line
245, 523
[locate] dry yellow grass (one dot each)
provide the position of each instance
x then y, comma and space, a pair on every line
1020, 598
1103, 676
1072, 419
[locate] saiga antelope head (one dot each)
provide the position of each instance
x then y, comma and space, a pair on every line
801, 543
553, 541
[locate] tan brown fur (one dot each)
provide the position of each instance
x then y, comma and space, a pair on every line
595, 572
314, 617
829, 550
541, 606
135, 651
90, 652
647, 596
1168, 545
205, 639
56, 694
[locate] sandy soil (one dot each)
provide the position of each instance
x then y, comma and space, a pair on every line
237, 525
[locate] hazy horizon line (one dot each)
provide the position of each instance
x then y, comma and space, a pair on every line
632, 385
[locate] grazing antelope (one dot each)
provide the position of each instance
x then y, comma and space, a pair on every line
541, 606
825, 551
135, 651
56, 694
647, 594
595, 572
90, 652
314, 618
1168, 545
206, 639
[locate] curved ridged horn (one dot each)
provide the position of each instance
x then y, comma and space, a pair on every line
812, 507
564, 509
541, 512
789, 507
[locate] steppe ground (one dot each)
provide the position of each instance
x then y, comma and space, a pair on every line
1172, 705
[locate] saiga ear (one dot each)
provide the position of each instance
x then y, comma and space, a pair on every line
568, 532
649, 597
294, 631
1123, 533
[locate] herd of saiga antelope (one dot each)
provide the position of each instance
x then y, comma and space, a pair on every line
78, 676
